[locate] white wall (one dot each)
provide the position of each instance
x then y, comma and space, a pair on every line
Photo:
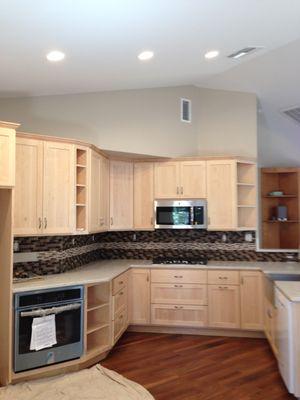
144, 121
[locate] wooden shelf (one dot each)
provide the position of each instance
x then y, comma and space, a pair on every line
246, 206
283, 196
96, 327
80, 205
80, 166
80, 185
93, 307
246, 184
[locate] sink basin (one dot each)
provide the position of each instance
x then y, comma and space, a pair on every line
283, 277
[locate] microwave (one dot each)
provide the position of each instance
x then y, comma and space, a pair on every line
180, 214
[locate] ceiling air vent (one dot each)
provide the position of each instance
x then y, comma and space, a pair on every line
293, 113
186, 110
243, 52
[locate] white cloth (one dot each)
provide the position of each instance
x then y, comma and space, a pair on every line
43, 332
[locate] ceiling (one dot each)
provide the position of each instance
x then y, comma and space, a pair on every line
101, 40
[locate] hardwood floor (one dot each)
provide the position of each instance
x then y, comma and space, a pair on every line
184, 367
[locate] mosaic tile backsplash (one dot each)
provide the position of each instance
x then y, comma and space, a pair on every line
55, 254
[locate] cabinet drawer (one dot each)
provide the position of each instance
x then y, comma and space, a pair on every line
223, 277
164, 293
178, 276
178, 315
119, 282
120, 323
120, 300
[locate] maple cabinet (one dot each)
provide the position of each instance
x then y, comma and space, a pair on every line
120, 305
44, 193
180, 179
139, 296
179, 315
224, 306
185, 293
7, 154
143, 196
231, 195
121, 195
99, 193
252, 313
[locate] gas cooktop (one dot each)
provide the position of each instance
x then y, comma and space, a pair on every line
186, 261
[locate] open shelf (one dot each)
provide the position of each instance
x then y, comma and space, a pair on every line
98, 296
246, 196
81, 189
98, 340
278, 234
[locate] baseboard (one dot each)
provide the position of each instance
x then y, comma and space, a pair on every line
196, 331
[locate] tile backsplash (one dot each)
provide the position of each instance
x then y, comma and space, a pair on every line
55, 254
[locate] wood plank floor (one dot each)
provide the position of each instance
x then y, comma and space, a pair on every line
184, 367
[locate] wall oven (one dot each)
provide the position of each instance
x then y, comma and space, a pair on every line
65, 307
180, 214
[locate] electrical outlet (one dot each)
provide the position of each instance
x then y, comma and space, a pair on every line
248, 237
224, 238
73, 241
93, 238
134, 237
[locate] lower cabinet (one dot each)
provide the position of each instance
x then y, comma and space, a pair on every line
252, 313
179, 315
139, 296
119, 305
224, 306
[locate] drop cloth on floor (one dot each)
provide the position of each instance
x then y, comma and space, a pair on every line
96, 383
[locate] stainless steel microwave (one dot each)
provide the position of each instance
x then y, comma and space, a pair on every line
180, 214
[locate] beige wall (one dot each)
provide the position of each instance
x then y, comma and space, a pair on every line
144, 121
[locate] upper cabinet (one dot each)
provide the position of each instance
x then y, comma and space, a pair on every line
143, 175
231, 195
99, 193
7, 154
121, 195
175, 179
44, 193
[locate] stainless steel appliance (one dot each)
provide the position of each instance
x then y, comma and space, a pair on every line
181, 260
180, 214
67, 306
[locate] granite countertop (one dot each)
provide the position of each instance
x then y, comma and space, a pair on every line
290, 289
106, 270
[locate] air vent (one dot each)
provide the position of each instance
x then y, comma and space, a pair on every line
243, 52
186, 110
293, 113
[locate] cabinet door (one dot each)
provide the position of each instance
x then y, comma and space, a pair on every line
224, 306
251, 300
28, 211
167, 180
59, 188
104, 193
143, 176
7, 157
95, 192
139, 296
222, 195
193, 179
121, 195
173, 315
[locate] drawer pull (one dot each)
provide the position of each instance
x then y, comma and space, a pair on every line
178, 285
223, 277
178, 276
223, 287
178, 307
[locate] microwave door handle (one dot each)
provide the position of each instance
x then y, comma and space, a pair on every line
48, 311
192, 222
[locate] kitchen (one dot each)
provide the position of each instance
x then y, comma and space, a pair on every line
169, 235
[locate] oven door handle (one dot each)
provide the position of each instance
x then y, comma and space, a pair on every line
48, 311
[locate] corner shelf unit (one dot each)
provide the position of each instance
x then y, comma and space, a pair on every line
280, 234
81, 189
246, 195
98, 319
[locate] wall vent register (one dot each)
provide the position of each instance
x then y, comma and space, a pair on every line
186, 110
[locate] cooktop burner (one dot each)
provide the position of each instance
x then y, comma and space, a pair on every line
188, 260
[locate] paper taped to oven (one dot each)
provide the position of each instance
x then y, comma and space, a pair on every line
43, 332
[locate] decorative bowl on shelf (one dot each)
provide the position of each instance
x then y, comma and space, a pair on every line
276, 193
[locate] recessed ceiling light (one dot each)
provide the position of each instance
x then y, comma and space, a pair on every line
211, 54
55, 56
145, 55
